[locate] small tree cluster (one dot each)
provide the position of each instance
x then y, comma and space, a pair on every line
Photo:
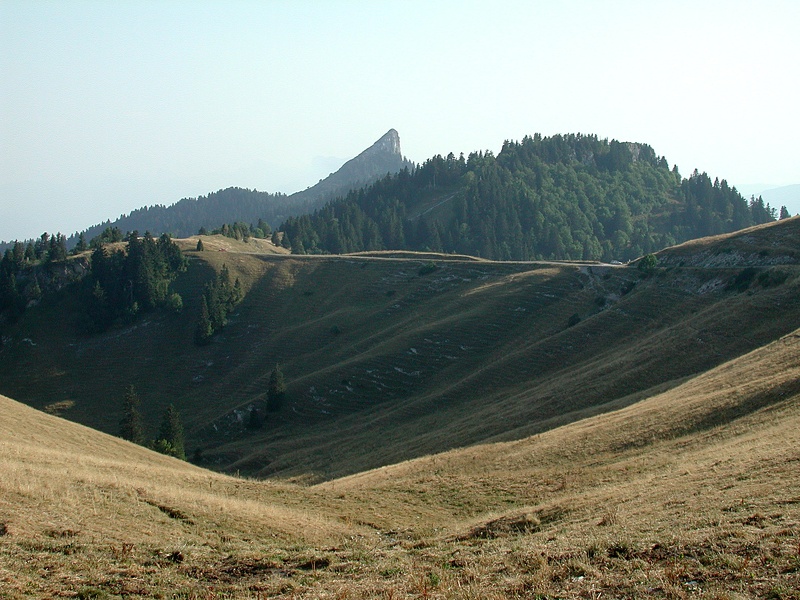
170, 439
170, 435
648, 262
218, 300
19, 283
123, 283
244, 231
110, 235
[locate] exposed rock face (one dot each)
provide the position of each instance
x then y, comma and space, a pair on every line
389, 143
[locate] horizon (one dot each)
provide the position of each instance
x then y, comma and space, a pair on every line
109, 108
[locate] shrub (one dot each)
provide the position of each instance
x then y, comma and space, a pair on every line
175, 303
772, 277
427, 268
648, 262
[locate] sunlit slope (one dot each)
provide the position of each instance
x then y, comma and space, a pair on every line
694, 490
743, 412
388, 358
59, 474
80, 509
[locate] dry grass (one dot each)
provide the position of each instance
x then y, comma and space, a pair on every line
691, 492
221, 243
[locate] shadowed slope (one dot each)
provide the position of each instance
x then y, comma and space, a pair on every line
388, 358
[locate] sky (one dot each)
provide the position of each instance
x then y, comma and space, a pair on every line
109, 106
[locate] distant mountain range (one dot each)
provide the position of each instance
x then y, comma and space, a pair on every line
230, 205
787, 195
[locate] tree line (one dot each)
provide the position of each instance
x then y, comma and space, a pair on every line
120, 282
241, 231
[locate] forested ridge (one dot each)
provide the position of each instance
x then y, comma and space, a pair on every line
561, 197
187, 216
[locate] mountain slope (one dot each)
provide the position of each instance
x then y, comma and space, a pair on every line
388, 358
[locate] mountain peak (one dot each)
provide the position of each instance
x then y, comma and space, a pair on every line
382, 157
388, 143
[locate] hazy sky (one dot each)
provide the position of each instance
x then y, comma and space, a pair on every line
109, 106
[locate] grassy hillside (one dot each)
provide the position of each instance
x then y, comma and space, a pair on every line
693, 491
392, 357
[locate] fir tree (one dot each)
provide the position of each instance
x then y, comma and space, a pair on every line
276, 390
81, 246
238, 293
203, 331
256, 421
170, 435
130, 427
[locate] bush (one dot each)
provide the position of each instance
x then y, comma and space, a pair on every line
175, 303
772, 277
427, 268
648, 262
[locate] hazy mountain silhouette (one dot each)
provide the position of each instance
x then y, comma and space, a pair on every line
234, 204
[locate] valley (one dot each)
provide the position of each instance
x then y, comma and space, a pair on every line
691, 491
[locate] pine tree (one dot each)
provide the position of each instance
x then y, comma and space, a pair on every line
203, 331
200, 247
81, 246
276, 390
170, 435
130, 427
784, 213
238, 293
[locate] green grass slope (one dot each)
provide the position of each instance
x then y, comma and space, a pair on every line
387, 359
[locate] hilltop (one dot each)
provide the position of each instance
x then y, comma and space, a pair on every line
574, 197
690, 491
390, 357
